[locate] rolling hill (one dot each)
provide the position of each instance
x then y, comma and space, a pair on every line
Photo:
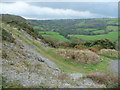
81, 28
29, 62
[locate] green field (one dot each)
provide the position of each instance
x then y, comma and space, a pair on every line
99, 31
115, 21
90, 29
36, 27
80, 24
114, 28
54, 35
39, 28
49, 33
112, 36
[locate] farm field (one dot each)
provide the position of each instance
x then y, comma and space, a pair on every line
90, 29
100, 31
112, 36
54, 35
114, 28
81, 28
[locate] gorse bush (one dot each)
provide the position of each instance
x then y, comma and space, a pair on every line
81, 47
6, 36
51, 41
56, 43
95, 48
80, 56
4, 55
105, 43
109, 52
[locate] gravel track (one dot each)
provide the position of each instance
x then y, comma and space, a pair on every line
113, 66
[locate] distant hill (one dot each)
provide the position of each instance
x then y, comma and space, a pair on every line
77, 26
20, 23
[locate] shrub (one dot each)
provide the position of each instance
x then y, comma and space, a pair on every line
109, 80
64, 44
56, 43
109, 52
63, 77
72, 44
50, 41
105, 43
81, 47
95, 48
4, 55
80, 56
42, 85
6, 36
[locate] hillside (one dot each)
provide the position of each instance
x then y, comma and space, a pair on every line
29, 62
81, 27
19, 23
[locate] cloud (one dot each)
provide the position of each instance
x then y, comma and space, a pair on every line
30, 11
61, 0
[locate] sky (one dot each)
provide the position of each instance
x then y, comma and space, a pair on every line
60, 10
63, 0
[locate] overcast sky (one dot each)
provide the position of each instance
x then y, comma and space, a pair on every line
60, 10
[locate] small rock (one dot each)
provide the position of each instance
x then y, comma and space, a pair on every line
75, 76
89, 81
66, 85
21, 47
57, 69
11, 64
40, 59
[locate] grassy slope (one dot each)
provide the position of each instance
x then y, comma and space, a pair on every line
112, 36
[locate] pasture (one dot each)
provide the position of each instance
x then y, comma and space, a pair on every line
111, 35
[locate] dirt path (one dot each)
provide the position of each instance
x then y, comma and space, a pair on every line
113, 66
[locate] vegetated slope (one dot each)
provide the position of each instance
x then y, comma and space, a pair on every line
71, 32
19, 23
26, 63
76, 26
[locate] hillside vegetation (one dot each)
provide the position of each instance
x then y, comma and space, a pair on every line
72, 32
77, 26
40, 57
19, 23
